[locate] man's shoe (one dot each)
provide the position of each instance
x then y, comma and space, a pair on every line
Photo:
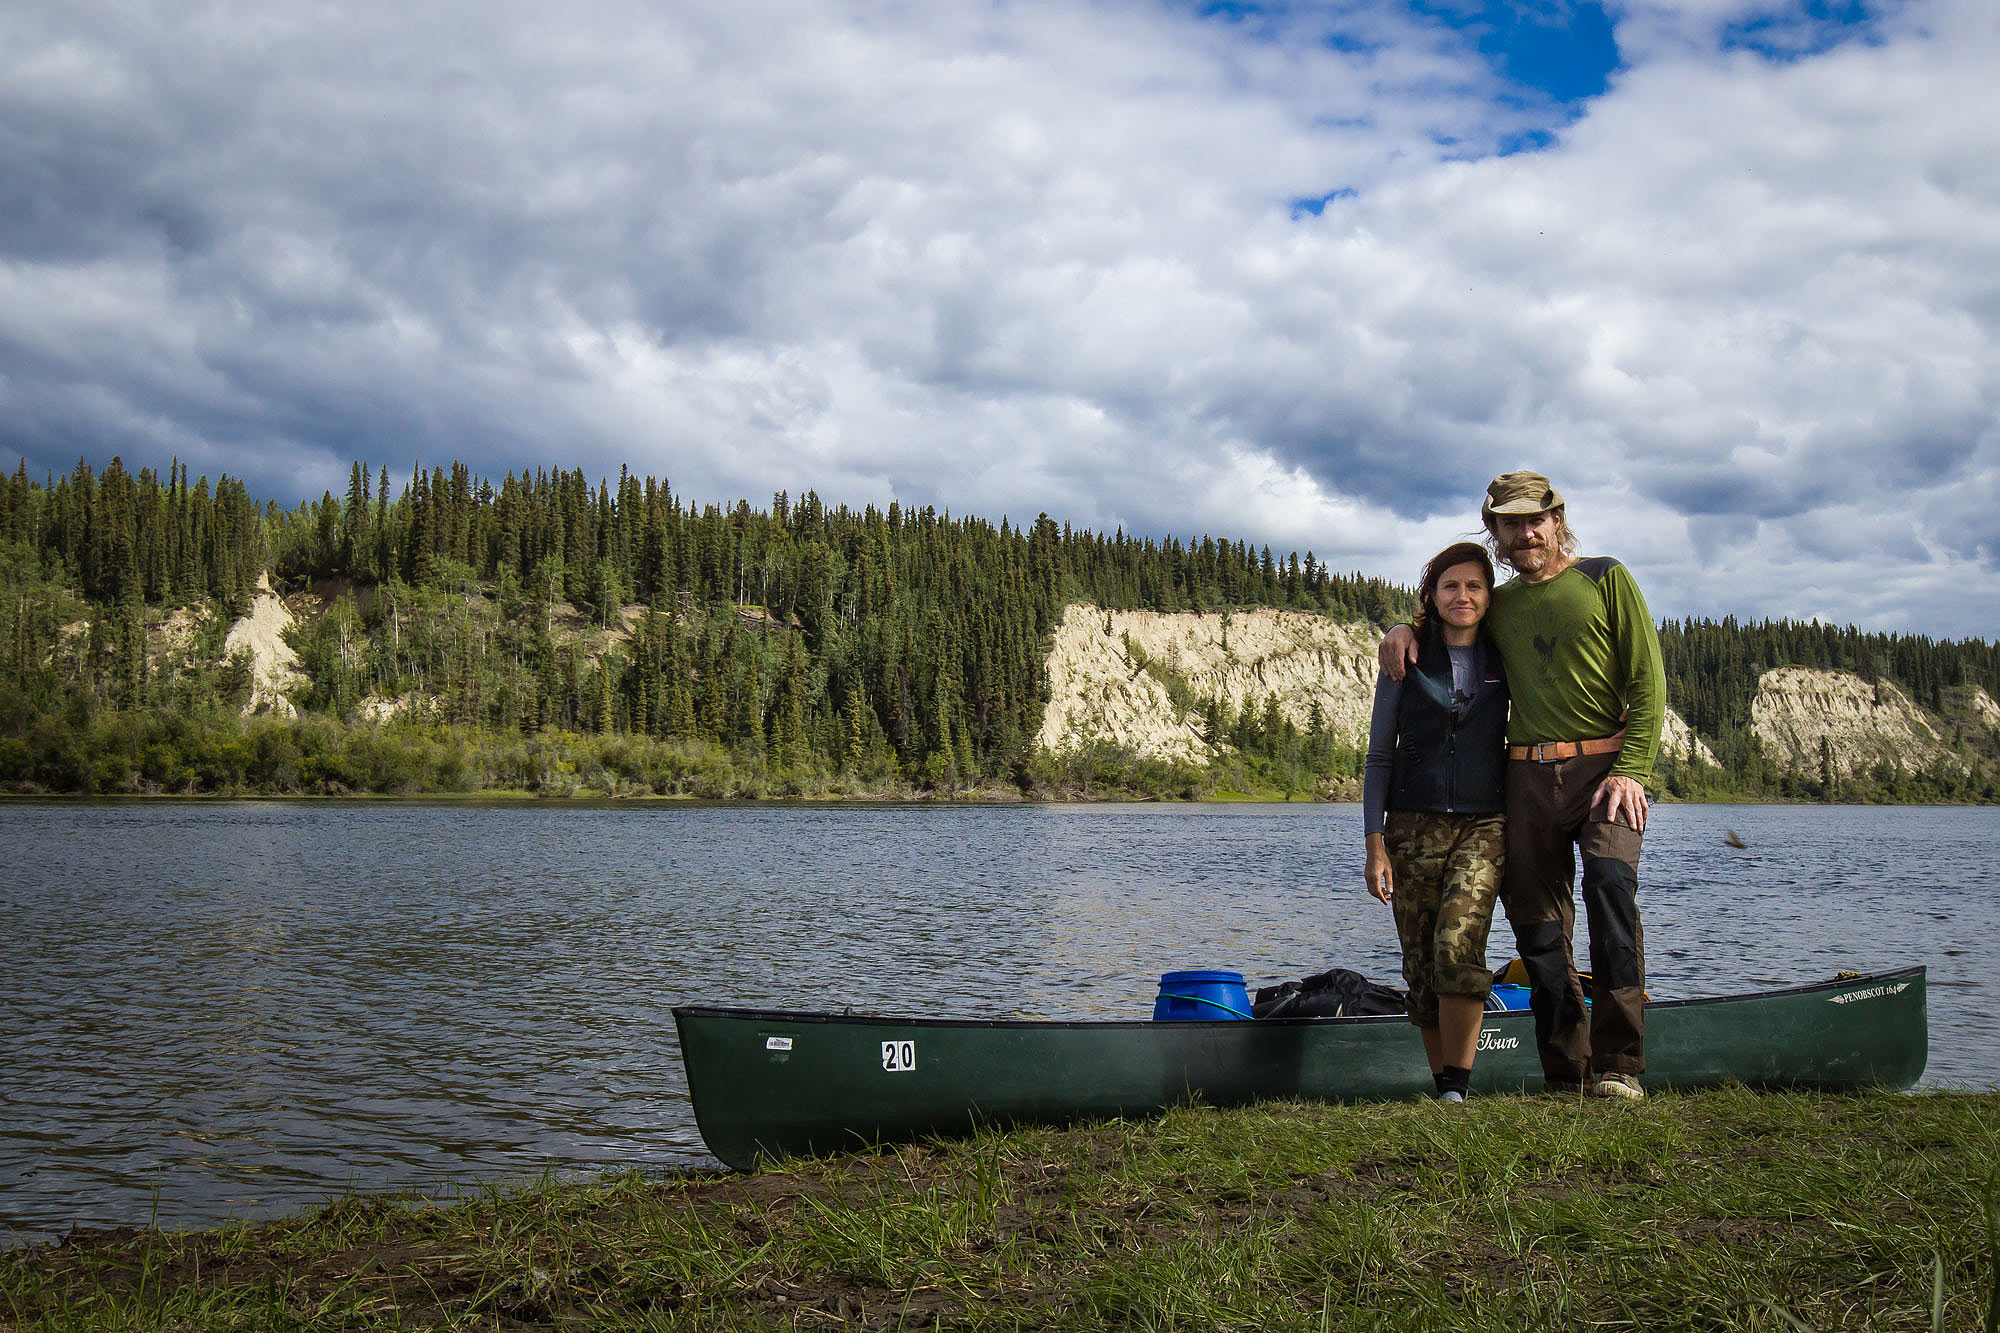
1453, 1095
1620, 1085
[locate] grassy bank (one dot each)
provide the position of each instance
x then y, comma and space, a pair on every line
132, 753
1720, 1210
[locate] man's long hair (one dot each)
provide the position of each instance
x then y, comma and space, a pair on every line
1565, 539
1459, 553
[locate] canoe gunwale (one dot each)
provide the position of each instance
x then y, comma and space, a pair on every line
795, 1016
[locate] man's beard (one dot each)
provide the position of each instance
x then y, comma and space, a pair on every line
1527, 559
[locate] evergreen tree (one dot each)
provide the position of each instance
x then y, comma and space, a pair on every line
877, 640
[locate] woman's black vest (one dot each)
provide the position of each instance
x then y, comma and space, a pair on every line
1451, 758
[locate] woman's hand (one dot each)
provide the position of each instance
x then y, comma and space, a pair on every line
1381, 879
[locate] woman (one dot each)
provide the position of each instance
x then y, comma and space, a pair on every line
1433, 792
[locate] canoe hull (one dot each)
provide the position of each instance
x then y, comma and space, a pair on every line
772, 1082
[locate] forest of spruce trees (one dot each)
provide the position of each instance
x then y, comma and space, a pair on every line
794, 649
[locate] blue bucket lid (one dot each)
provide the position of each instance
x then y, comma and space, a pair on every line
1196, 978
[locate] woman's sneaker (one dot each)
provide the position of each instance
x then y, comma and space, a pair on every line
1620, 1085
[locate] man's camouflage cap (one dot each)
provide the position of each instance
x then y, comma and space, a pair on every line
1520, 493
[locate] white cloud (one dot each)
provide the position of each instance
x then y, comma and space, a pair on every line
1040, 256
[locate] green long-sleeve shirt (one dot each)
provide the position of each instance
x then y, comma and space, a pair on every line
1582, 660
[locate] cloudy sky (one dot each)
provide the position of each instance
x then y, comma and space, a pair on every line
1303, 273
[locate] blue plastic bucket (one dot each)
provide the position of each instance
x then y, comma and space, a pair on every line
1191, 996
1514, 997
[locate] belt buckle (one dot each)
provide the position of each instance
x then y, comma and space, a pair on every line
1541, 755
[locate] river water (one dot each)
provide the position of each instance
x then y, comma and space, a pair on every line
215, 1011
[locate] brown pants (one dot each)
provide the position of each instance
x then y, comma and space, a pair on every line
1549, 817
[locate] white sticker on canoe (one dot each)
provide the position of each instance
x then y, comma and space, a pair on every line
899, 1057
1491, 1040
777, 1043
1872, 993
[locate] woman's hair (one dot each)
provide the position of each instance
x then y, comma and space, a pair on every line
1458, 553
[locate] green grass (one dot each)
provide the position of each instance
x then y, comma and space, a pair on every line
1719, 1210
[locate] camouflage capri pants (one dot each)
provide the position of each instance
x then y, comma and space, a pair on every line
1447, 871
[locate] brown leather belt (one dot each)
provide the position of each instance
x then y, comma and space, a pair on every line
1549, 752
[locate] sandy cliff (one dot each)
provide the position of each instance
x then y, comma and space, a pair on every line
1979, 710
274, 667
1798, 708
1678, 739
1099, 688
1109, 672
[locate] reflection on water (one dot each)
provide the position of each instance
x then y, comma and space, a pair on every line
220, 1011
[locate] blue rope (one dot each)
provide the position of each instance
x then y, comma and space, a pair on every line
1202, 999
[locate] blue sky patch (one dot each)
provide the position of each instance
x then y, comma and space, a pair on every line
1263, 20
1806, 28
1563, 48
1527, 141
1348, 44
1301, 207
1250, 19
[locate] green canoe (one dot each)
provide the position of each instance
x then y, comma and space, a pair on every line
776, 1082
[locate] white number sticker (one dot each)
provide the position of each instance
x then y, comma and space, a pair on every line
899, 1057
777, 1043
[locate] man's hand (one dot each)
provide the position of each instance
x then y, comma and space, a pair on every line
1616, 794
1381, 878
1397, 651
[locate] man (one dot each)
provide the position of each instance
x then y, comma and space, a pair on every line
1589, 695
